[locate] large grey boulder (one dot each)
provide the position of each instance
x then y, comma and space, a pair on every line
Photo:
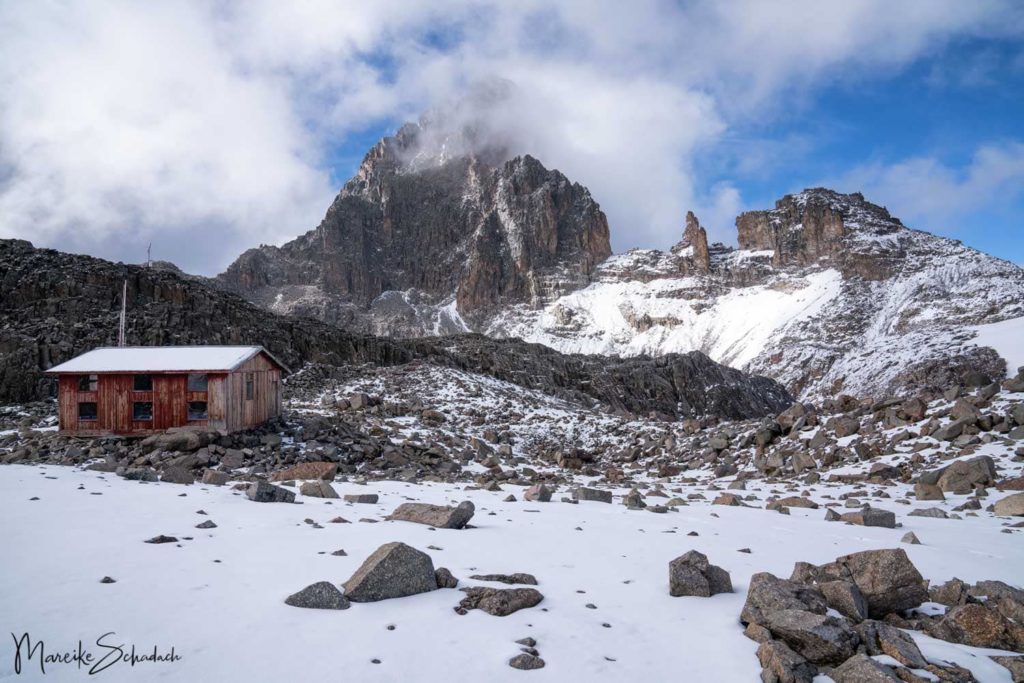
262, 492
439, 516
768, 594
320, 595
394, 570
692, 574
962, 475
888, 580
818, 638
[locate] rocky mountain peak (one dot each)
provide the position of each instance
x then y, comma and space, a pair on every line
820, 224
692, 250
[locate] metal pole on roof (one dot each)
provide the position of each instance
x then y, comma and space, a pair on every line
124, 301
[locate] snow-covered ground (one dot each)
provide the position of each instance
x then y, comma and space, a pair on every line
1007, 338
218, 598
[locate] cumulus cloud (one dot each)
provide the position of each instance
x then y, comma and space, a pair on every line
205, 127
926, 192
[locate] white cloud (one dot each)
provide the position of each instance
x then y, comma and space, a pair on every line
203, 126
925, 192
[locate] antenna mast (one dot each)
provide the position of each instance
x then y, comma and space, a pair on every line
149, 260
124, 301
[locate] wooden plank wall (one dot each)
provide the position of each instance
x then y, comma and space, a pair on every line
242, 413
227, 406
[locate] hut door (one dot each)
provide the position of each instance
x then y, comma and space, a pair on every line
116, 402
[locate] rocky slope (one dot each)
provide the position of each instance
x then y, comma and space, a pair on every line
55, 305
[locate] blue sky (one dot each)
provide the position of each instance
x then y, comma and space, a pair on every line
209, 128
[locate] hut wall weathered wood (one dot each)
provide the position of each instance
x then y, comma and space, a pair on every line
244, 397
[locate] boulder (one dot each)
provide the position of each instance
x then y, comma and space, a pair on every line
818, 638
320, 595
692, 574
793, 502
438, 516
887, 579
862, 669
962, 475
444, 578
538, 493
979, 626
779, 664
499, 602
215, 478
307, 470
394, 570
318, 489
1010, 506
362, 498
598, 495
768, 594
871, 517
880, 638
262, 492
175, 439
924, 491
845, 598
177, 475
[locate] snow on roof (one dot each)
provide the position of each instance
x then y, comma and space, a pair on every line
161, 359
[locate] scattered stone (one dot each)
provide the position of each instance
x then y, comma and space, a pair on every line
438, 516
499, 602
526, 661
887, 578
598, 495
871, 517
320, 595
910, 538
318, 489
362, 498
780, 664
526, 579
692, 574
215, 478
444, 578
768, 594
1010, 506
538, 493
177, 475
156, 540
819, 638
862, 669
107, 579
262, 492
307, 470
208, 524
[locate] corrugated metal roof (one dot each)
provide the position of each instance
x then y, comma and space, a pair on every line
161, 359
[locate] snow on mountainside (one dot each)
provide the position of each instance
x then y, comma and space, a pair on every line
870, 308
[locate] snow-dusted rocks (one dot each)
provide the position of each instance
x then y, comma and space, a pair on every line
692, 574
319, 595
584, 493
439, 516
318, 489
871, 517
307, 470
499, 602
887, 578
394, 570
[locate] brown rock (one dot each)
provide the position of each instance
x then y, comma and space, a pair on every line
307, 470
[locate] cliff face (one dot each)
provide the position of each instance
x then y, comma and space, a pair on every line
472, 232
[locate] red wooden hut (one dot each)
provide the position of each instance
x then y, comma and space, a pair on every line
139, 389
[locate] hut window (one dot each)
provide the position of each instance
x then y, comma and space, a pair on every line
142, 410
197, 382
197, 410
88, 382
248, 386
143, 383
87, 410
